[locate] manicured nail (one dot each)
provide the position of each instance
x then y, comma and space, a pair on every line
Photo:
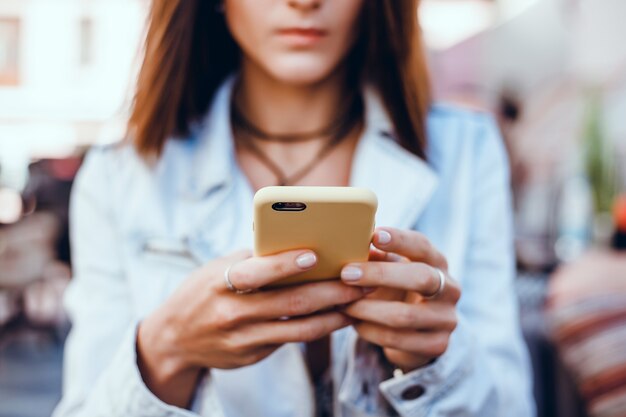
306, 260
383, 237
351, 273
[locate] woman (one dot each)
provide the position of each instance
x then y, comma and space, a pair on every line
242, 94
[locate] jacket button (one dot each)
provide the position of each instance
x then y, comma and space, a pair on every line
413, 392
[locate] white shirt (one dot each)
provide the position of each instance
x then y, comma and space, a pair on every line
137, 232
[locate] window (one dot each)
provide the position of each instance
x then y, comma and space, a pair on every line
9, 46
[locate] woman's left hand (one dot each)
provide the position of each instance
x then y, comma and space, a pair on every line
412, 328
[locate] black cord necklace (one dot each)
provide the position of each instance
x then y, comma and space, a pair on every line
335, 132
242, 122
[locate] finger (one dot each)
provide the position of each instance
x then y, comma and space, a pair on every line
431, 344
402, 315
414, 276
292, 301
240, 355
255, 355
409, 243
378, 255
407, 360
256, 272
305, 329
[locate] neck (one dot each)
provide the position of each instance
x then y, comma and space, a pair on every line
278, 107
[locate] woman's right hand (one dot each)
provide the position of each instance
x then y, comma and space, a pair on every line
205, 325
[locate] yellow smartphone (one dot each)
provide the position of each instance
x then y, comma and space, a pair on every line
335, 222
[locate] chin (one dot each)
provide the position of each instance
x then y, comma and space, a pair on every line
301, 71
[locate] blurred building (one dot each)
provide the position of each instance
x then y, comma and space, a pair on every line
548, 54
65, 71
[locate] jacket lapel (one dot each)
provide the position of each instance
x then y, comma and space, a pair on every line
403, 182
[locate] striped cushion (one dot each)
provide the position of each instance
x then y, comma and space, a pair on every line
586, 313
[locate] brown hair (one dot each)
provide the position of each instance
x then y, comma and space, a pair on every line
189, 51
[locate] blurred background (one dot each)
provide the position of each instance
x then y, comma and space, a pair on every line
552, 71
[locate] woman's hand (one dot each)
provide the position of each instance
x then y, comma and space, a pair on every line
412, 329
205, 325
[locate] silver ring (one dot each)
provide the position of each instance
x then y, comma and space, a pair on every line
229, 283
442, 284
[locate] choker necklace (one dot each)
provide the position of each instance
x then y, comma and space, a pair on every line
335, 132
240, 120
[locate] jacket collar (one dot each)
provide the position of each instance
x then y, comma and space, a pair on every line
403, 182
214, 157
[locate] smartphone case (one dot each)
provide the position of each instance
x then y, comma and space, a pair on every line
337, 224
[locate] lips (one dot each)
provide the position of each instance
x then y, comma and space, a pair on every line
302, 37
307, 32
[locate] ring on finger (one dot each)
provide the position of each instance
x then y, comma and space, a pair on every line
442, 284
229, 283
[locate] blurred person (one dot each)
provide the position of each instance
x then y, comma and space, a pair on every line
34, 251
32, 277
26, 248
170, 319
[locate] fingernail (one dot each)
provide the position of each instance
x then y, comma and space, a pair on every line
351, 273
368, 290
306, 260
383, 237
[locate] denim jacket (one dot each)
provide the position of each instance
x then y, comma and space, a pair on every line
138, 231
